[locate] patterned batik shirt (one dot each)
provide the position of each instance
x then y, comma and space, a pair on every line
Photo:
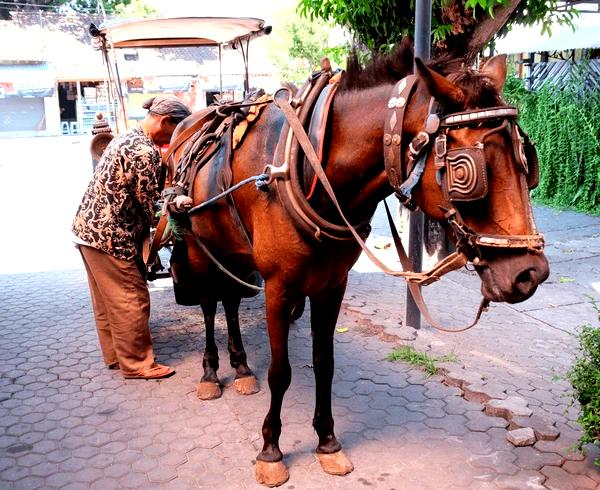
118, 205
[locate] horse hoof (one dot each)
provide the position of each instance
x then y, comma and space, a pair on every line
271, 474
208, 391
246, 386
335, 463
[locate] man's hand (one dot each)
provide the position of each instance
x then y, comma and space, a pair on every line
182, 203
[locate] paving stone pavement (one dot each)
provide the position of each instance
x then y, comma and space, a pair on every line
66, 422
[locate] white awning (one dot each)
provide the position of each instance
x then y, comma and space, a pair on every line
530, 39
182, 31
27, 80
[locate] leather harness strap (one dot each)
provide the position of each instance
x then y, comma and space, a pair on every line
157, 240
392, 138
285, 170
317, 131
309, 151
187, 133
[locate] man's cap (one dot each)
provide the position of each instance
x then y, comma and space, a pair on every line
167, 105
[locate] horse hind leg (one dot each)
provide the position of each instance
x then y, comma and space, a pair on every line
245, 382
209, 387
325, 308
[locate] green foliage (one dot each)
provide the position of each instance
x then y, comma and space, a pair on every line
135, 9
176, 228
564, 122
92, 6
585, 379
544, 13
421, 360
299, 46
378, 24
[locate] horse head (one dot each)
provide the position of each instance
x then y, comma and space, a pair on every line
477, 172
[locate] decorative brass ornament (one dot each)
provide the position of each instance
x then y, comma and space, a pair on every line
396, 102
393, 120
402, 86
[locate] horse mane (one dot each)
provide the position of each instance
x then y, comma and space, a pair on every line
383, 69
388, 68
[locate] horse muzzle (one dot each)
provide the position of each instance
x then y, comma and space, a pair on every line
512, 278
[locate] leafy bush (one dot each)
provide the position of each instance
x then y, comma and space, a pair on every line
585, 379
564, 122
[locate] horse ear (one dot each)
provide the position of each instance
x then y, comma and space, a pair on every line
408, 53
446, 92
495, 70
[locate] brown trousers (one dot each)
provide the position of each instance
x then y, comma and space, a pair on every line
121, 305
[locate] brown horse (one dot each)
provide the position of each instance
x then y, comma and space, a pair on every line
295, 265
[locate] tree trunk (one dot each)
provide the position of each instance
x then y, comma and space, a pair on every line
469, 36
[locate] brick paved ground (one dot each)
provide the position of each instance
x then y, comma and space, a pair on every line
66, 422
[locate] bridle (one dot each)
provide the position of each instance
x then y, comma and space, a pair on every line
460, 172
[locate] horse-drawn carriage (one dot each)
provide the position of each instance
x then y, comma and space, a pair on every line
292, 198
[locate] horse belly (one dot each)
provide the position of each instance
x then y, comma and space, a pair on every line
218, 227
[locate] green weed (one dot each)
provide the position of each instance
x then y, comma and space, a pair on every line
585, 379
421, 360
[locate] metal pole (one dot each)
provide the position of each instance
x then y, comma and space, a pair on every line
220, 73
416, 221
423, 29
246, 77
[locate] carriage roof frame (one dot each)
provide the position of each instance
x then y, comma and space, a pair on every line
172, 32
183, 32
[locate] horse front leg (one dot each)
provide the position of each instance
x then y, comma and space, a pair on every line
209, 387
325, 308
245, 382
270, 469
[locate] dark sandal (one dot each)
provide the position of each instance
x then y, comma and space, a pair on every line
157, 371
114, 365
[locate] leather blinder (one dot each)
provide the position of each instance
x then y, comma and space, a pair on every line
466, 174
533, 176
526, 156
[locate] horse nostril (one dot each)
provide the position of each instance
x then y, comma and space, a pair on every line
525, 278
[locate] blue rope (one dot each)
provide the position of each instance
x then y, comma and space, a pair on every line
261, 184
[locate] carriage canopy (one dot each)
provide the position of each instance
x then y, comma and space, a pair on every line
184, 31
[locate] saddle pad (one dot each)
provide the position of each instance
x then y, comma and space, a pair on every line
253, 113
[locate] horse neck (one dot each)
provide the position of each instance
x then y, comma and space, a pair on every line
354, 164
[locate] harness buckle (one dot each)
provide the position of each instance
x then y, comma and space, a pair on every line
440, 146
418, 143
